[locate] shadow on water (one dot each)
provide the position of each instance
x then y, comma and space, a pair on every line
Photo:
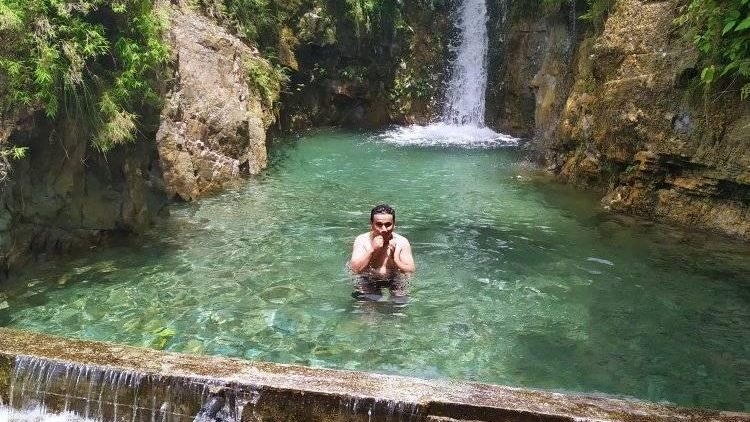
101, 266
617, 342
371, 309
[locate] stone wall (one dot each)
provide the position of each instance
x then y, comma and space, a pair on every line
529, 73
66, 195
633, 126
144, 384
393, 73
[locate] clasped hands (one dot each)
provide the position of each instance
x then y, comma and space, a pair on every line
378, 242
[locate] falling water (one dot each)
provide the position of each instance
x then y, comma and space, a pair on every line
46, 391
465, 97
572, 28
462, 123
42, 390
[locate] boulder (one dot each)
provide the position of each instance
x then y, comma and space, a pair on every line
213, 126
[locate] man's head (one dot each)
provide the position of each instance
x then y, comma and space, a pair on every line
383, 220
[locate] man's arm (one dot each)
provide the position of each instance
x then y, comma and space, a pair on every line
403, 258
361, 254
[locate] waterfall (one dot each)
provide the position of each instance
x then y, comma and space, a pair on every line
465, 96
462, 122
572, 29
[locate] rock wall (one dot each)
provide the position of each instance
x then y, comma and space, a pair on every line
66, 195
633, 126
529, 73
213, 127
392, 73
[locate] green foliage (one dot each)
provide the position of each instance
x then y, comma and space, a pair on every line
14, 152
379, 18
317, 26
721, 32
553, 5
360, 12
596, 12
261, 21
266, 79
7, 154
95, 59
408, 86
354, 73
256, 20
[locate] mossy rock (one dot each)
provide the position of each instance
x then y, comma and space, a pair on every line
6, 367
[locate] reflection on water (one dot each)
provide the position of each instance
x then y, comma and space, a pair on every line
519, 281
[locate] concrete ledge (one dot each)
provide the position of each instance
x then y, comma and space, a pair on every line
128, 383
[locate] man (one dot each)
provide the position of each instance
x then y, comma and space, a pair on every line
381, 257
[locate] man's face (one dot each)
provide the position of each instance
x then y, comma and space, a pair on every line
382, 224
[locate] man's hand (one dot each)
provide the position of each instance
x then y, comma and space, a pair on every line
377, 242
392, 244
403, 258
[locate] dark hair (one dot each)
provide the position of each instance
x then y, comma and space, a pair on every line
382, 209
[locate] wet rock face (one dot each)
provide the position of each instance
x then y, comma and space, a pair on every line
213, 126
529, 71
390, 74
65, 195
631, 126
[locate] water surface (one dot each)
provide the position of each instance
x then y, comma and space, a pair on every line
520, 281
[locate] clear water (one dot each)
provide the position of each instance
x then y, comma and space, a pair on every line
520, 281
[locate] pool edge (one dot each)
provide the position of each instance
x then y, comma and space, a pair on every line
332, 393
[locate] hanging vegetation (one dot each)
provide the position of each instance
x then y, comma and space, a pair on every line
721, 32
97, 60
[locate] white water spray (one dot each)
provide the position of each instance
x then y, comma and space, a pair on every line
462, 123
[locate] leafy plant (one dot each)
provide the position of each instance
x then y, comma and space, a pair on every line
91, 59
7, 154
354, 73
721, 32
266, 79
596, 12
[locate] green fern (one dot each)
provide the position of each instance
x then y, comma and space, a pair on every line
95, 60
745, 91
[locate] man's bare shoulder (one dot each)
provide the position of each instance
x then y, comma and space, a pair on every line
400, 238
364, 237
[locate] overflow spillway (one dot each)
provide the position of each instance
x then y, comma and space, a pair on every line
106, 382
